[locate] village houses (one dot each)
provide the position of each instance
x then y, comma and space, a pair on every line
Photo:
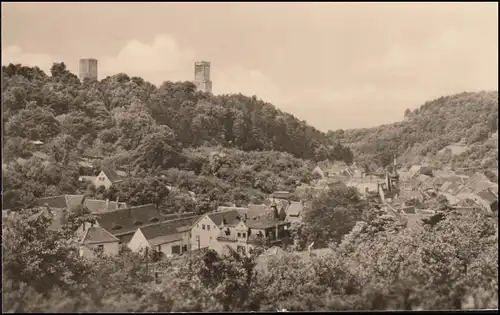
167, 238
94, 241
106, 178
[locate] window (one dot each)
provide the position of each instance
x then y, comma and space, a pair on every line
197, 237
243, 235
239, 234
100, 250
208, 227
203, 226
184, 248
176, 249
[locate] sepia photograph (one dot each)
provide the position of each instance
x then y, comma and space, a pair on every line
249, 156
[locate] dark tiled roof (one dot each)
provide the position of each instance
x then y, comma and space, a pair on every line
97, 234
59, 202
487, 195
258, 211
264, 224
167, 227
225, 208
167, 231
125, 238
129, 219
175, 216
99, 206
112, 175
231, 217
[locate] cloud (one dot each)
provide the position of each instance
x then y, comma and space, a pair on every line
160, 61
438, 66
164, 60
237, 79
14, 54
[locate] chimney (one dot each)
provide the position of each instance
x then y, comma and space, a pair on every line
84, 225
277, 232
117, 199
107, 204
245, 220
275, 210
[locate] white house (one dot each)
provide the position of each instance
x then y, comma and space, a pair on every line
95, 241
169, 237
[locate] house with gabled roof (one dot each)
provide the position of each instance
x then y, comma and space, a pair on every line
107, 178
94, 241
204, 232
319, 171
123, 223
169, 238
245, 234
59, 208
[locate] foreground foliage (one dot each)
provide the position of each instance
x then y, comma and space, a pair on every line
451, 265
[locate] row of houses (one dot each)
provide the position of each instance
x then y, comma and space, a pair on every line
140, 227
474, 192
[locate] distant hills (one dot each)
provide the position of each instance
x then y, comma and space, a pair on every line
460, 130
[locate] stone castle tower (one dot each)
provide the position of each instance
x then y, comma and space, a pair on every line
202, 76
88, 69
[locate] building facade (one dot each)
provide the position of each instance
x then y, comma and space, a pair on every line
88, 69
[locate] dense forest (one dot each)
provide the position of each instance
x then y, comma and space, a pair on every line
172, 134
469, 118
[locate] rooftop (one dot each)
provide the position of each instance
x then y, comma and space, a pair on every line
96, 234
129, 219
264, 224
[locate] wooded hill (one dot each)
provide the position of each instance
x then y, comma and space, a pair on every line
464, 123
131, 124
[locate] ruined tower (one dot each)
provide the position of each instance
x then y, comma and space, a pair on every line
202, 76
88, 69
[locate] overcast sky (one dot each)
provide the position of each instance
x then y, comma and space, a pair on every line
335, 65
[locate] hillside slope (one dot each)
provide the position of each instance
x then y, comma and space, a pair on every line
464, 123
128, 123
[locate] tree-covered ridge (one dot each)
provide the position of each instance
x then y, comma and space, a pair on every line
228, 148
466, 117
105, 110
